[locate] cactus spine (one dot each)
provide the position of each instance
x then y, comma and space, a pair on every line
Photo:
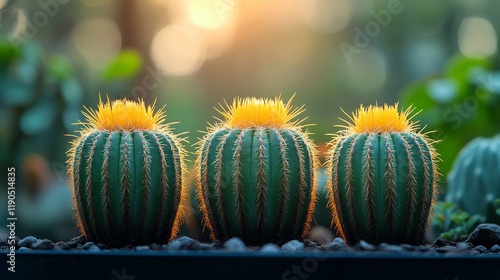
474, 180
382, 178
256, 173
126, 172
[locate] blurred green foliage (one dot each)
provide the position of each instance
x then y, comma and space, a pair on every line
125, 65
457, 105
452, 223
41, 97
496, 202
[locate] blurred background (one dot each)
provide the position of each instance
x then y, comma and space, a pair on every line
58, 55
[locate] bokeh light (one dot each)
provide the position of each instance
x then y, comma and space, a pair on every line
326, 15
177, 50
477, 37
210, 14
367, 71
97, 40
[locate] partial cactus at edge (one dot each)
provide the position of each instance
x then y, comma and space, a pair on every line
256, 173
383, 178
127, 175
474, 180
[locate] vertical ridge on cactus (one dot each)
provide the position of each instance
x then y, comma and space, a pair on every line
382, 177
256, 173
127, 174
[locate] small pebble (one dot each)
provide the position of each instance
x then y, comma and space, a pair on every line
495, 248
181, 243
481, 249
3, 238
94, 248
440, 242
28, 241
336, 244
293, 246
142, 248
207, 246
71, 244
102, 246
235, 244
87, 245
390, 247
44, 244
270, 248
79, 239
62, 245
57, 248
408, 247
155, 246
464, 245
446, 249
366, 246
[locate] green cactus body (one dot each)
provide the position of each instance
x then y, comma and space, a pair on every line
322, 213
474, 180
256, 182
127, 185
382, 184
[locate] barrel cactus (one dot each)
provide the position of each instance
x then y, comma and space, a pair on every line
322, 213
256, 173
383, 177
126, 171
474, 180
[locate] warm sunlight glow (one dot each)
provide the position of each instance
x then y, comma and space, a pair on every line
178, 50
210, 14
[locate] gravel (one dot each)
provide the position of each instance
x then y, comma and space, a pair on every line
181, 243
27, 241
43, 244
270, 248
481, 249
390, 248
337, 244
485, 240
235, 244
293, 246
495, 248
142, 248
365, 246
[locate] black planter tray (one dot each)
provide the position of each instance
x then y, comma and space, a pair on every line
128, 265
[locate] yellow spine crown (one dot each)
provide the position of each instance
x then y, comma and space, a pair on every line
124, 115
256, 112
